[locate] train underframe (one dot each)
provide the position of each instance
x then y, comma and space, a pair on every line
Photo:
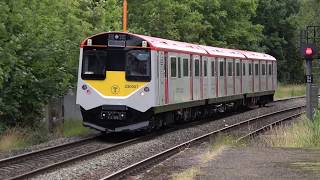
122, 118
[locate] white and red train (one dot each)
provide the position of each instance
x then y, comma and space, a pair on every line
130, 82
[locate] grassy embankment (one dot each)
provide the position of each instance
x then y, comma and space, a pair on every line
18, 138
289, 90
302, 134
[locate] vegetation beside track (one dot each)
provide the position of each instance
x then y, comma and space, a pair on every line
301, 134
289, 90
18, 138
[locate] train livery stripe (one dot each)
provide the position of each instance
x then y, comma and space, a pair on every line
201, 77
166, 86
217, 76
115, 84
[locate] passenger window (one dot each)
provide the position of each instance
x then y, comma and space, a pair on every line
197, 67
229, 68
185, 67
270, 69
205, 68
212, 68
263, 69
243, 69
221, 68
250, 69
256, 69
179, 67
173, 67
238, 69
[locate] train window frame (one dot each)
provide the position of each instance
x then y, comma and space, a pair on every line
250, 69
87, 74
243, 69
238, 69
212, 68
185, 64
270, 69
256, 69
197, 68
221, 68
205, 66
131, 75
263, 70
173, 71
230, 68
179, 67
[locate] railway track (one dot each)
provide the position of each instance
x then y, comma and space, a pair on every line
29, 164
26, 165
243, 130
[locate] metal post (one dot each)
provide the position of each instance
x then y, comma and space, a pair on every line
124, 21
309, 89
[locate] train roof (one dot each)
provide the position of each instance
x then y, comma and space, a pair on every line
215, 51
257, 55
173, 45
177, 46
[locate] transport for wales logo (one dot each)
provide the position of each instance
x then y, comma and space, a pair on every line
115, 89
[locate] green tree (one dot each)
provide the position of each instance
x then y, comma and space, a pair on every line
39, 49
280, 31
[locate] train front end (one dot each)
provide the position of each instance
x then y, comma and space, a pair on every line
115, 89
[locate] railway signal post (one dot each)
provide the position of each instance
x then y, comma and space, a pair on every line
309, 39
309, 51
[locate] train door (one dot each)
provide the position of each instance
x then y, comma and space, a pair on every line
205, 77
237, 76
185, 78
269, 79
256, 79
244, 76
161, 77
196, 77
230, 74
173, 77
212, 78
221, 78
263, 76
250, 77
179, 83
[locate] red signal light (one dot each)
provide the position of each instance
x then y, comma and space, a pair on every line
308, 51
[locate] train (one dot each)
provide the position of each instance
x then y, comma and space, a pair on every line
132, 82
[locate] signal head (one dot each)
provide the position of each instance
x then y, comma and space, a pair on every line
309, 51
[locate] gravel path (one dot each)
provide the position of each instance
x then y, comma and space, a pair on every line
241, 163
105, 164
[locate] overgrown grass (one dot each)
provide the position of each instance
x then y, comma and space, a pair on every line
74, 128
302, 134
289, 90
18, 138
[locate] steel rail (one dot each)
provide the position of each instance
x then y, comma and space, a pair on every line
265, 127
169, 152
45, 150
75, 158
